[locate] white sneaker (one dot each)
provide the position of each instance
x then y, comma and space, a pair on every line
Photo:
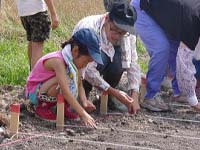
156, 104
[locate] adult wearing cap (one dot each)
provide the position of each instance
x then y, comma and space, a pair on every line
162, 25
57, 72
115, 30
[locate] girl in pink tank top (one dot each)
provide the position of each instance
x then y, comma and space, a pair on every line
57, 72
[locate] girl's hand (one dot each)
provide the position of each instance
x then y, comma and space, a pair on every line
88, 106
89, 121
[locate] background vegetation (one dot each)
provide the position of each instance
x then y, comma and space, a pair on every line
14, 66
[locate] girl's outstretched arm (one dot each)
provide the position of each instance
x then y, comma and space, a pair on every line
87, 105
59, 67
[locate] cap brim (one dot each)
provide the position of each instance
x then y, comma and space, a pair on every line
96, 57
127, 28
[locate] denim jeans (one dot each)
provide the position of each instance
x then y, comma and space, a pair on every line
197, 66
111, 71
161, 49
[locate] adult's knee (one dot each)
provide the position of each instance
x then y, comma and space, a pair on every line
113, 78
88, 87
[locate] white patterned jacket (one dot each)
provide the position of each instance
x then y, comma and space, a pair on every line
129, 54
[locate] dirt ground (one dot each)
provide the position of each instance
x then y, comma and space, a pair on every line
178, 129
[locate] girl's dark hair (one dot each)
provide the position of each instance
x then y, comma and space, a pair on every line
83, 50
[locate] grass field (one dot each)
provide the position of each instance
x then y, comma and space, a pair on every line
14, 66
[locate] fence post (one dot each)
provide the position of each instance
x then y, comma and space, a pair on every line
60, 119
104, 104
14, 120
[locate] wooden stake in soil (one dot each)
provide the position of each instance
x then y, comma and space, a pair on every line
104, 104
14, 120
60, 112
142, 90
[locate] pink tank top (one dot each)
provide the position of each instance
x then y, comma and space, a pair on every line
37, 74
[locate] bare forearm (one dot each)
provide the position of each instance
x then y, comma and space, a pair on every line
59, 66
134, 94
51, 7
75, 104
82, 92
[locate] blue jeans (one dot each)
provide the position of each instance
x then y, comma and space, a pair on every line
111, 71
197, 66
161, 49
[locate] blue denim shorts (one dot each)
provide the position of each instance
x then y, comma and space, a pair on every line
33, 96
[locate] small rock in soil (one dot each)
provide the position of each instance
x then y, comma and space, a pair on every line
82, 133
123, 122
112, 129
109, 148
101, 138
70, 132
62, 133
71, 140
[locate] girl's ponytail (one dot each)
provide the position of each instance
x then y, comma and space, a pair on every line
70, 41
74, 42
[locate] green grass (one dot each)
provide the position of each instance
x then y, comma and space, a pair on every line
14, 66
13, 62
143, 57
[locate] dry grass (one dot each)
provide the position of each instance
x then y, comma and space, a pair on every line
69, 12
13, 44
8, 19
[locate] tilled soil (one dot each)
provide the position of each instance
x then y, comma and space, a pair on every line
178, 129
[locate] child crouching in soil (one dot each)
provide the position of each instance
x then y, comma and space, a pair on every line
58, 72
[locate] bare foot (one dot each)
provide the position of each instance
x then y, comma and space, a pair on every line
88, 106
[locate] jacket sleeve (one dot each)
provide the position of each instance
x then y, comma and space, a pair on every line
92, 75
133, 71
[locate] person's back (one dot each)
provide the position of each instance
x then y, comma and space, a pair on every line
179, 18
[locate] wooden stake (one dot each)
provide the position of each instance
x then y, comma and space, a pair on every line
104, 104
60, 112
142, 90
14, 120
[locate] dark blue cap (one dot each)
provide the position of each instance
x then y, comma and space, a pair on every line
123, 15
89, 38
